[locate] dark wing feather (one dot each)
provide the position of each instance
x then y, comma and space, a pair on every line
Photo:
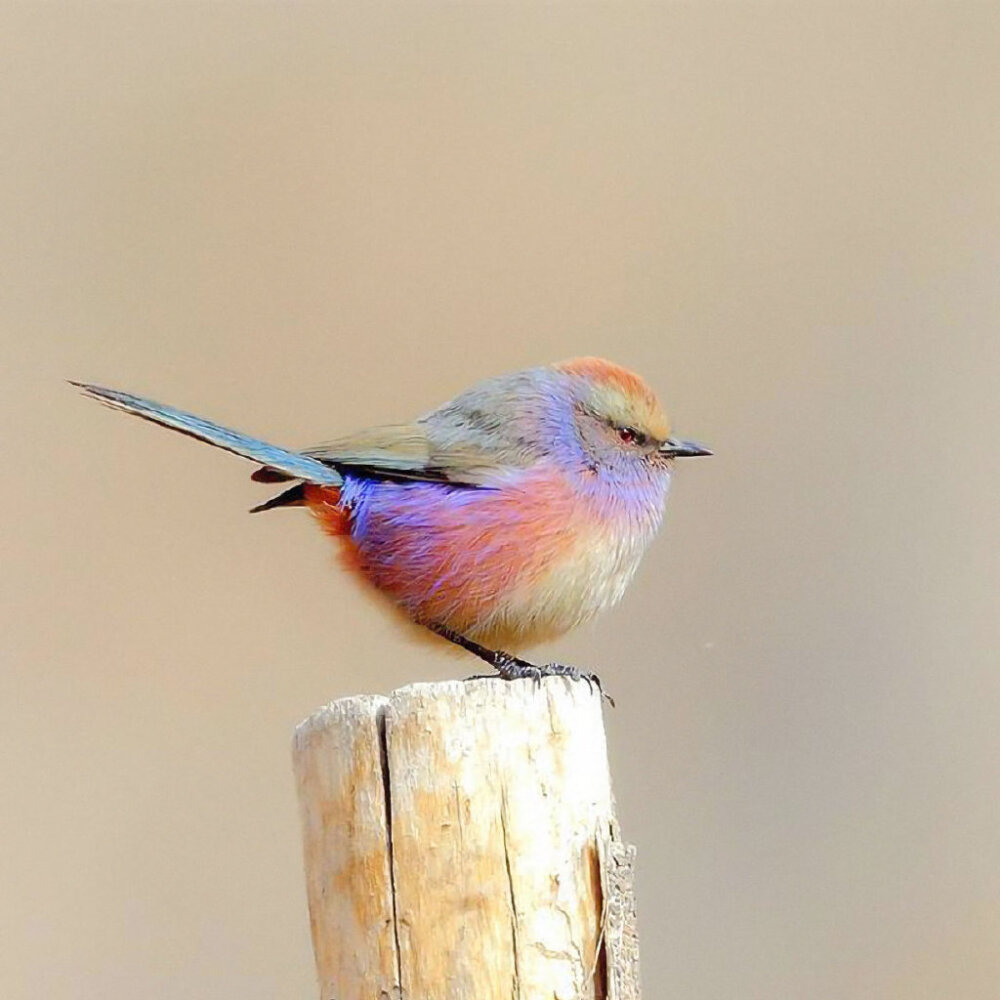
398, 451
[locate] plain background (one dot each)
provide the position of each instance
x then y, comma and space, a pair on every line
303, 219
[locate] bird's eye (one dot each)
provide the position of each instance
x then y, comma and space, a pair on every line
631, 436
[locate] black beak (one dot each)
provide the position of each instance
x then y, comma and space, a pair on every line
676, 448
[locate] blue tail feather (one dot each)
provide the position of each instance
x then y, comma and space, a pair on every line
294, 465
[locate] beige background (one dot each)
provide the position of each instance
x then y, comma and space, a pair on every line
302, 219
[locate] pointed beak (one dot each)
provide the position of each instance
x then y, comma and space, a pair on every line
676, 448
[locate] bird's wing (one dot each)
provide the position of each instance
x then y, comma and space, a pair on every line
401, 451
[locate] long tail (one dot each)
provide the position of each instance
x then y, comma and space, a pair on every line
291, 463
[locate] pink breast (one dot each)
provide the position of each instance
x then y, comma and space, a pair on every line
455, 556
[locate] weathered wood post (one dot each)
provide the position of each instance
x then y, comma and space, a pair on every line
461, 844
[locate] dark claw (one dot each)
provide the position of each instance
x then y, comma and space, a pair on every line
593, 681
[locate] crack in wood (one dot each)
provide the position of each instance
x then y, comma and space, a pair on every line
383, 756
515, 986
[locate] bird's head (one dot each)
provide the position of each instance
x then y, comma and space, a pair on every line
619, 419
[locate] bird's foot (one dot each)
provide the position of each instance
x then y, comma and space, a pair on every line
513, 668
574, 673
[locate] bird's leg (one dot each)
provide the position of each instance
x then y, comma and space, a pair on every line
512, 668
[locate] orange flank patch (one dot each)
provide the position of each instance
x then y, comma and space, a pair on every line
324, 502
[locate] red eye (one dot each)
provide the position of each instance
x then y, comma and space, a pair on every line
628, 435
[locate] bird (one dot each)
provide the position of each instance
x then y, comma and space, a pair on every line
509, 515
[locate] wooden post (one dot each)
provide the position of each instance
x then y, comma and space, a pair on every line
461, 844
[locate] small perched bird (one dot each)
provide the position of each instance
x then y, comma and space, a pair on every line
509, 515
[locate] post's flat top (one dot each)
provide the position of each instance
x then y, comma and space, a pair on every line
480, 689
